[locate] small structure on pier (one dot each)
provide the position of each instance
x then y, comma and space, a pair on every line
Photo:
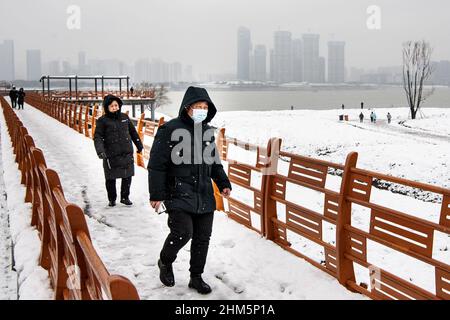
96, 95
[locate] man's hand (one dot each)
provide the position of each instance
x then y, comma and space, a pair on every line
226, 192
155, 205
102, 155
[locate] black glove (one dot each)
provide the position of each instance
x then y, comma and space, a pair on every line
102, 155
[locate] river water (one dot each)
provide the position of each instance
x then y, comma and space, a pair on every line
320, 99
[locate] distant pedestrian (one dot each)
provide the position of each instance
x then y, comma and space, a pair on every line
131, 90
13, 96
374, 117
343, 106
371, 116
292, 107
389, 117
361, 117
362, 105
20, 98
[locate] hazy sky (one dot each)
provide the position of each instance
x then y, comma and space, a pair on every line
203, 32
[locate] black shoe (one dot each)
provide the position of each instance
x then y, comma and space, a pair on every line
112, 203
126, 202
197, 283
166, 274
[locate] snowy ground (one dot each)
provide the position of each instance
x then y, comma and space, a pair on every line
31, 281
420, 153
241, 264
7, 275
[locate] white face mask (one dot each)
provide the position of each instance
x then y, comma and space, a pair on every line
198, 115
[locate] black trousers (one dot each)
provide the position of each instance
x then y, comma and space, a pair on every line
183, 227
124, 188
20, 105
13, 103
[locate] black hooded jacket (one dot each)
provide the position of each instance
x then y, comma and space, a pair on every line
114, 133
186, 186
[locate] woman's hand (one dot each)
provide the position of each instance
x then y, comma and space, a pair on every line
226, 192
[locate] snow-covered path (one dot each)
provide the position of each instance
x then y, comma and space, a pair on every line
241, 264
7, 275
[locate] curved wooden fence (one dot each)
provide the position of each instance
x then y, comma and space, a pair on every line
75, 269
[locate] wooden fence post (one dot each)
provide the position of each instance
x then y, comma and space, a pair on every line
140, 131
345, 271
94, 120
219, 145
86, 121
270, 170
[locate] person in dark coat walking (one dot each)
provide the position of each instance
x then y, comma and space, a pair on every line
361, 117
114, 134
13, 96
389, 117
20, 98
181, 177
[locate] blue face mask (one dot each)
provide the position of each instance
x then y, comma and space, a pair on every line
198, 115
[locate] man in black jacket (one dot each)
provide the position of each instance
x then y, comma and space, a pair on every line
180, 174
112, 139
13, 96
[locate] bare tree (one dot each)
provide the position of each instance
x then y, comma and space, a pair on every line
159, 93
417, 69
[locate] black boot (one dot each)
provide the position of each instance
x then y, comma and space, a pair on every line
197, 283
112, 203
126, 201
166, 274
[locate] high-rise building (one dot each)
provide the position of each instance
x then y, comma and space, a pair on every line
297, 60
336, 61
282, 56
66, 68
321, 70
83, 68
311, 72
141, 70
188, 74
7, 69
243, 53
259, 63
34, 65
159, 71
53, 68
175, 72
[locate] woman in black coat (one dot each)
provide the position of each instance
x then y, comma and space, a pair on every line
20, 98
114, 134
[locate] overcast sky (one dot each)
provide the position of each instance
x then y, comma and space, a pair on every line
203, 32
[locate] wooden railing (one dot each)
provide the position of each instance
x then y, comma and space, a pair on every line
265, 181
75, 269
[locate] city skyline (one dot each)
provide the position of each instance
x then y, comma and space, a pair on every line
259, 64
202, 33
